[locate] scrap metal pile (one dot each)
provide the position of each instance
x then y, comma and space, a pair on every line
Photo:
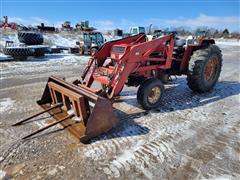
5, 24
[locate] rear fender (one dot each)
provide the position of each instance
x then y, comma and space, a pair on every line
189, 51
206, 42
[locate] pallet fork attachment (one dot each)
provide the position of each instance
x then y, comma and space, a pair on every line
37, 114
48, 126
61, 98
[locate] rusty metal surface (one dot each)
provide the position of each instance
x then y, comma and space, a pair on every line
75, 128
101, 119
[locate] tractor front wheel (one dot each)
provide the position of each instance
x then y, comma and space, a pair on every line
150, 93
204, 69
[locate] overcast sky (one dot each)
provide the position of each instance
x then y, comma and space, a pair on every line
109, 14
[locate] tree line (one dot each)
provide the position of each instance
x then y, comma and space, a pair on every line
212, 32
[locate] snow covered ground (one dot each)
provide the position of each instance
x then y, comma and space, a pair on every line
59, 39
228, 42
64, 39
6, 104
190, 136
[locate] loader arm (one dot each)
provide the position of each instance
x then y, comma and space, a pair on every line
103, 53
135, 61
136, 55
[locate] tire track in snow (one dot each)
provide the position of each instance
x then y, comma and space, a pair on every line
141, 153
114, 142
153, 149
209, 149
147, 154
144, 156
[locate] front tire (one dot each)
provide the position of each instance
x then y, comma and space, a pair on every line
150, 93
204, 69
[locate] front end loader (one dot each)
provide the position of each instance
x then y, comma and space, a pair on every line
131, 61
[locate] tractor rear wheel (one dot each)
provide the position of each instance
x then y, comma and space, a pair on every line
150, 93
204, 69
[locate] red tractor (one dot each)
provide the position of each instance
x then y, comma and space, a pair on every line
4, 24
135, 61
131, 61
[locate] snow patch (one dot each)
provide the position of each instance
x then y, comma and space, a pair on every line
53, 62
128, 154
223, 177
75, 118
6, 104
41, 124
4, 57
126, 157
209, 99
61, 40
2, 174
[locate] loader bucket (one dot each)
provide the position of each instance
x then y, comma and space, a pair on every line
88, 121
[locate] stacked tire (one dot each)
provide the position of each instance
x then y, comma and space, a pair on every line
40, 51
31, 46
18, 52
30, 38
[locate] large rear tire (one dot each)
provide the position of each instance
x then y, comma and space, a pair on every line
30, 38
204, 69
150, 93
18, 51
